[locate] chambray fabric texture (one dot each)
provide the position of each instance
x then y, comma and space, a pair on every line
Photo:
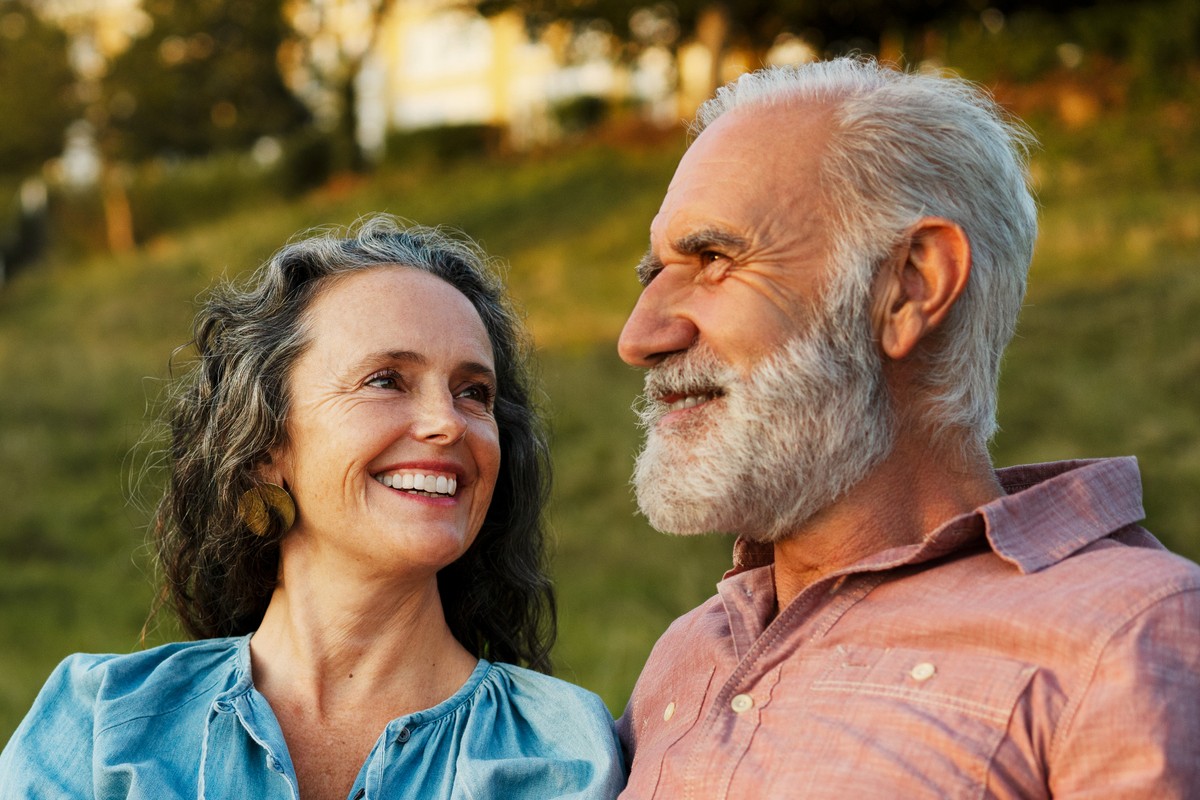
1042, 646
185, 721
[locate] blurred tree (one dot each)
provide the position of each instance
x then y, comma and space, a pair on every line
895, 29
331, 42
831, 26
38, 99
204, 79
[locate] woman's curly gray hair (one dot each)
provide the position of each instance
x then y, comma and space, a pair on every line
229, 412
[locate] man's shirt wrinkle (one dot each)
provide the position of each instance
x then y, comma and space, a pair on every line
945, 668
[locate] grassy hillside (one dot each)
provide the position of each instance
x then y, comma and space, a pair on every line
1105, 364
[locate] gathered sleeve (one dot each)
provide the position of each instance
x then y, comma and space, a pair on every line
534, 736
50, 754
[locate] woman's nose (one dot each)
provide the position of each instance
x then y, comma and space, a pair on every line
439, 420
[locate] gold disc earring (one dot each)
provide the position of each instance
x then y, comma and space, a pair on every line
260, 503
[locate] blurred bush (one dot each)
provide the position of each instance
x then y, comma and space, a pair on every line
443, 144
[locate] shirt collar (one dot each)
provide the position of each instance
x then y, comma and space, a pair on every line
1054, 510
1049, 511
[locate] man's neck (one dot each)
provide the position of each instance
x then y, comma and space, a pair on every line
910, 494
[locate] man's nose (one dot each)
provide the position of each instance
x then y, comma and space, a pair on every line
656, 328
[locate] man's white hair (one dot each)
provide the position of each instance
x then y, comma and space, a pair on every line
910, 145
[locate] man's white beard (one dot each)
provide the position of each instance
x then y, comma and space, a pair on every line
774, 448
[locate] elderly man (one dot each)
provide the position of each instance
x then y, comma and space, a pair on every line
832, 279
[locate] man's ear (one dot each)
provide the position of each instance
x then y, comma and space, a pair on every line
925, 276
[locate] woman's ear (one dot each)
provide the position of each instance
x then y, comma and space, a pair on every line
273, 468
916, 289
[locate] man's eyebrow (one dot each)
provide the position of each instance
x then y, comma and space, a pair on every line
648, 267
690, 245
709, 239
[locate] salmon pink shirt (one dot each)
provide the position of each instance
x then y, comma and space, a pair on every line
1042, 646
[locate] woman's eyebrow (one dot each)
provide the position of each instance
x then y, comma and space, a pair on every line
478, 370
372, 360
384, 356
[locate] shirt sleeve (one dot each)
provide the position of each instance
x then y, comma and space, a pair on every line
50, 754
1135, 732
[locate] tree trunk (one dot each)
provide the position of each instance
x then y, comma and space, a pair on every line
712, 31
118, 215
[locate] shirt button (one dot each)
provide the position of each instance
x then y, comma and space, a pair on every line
669, 711
741, 702
403, 736
923, 671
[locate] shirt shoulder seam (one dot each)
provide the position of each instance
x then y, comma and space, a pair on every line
1095, 656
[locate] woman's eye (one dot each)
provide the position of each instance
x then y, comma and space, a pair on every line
387, 379
479, 392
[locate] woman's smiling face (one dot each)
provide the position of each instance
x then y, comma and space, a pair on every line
393, 449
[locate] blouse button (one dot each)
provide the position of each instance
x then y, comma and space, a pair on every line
923, 671
669, 711
741, 703
403, 736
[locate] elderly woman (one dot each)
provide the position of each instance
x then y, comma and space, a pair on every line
352, 532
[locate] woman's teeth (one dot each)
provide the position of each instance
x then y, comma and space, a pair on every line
418, 483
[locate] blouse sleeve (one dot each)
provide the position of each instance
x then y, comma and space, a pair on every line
50, 754
547, 739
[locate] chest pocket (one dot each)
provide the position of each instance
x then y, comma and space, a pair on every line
885, 719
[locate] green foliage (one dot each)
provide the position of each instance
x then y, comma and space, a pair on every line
1149, 48
205, 79
443, 145
37, 101
580, 113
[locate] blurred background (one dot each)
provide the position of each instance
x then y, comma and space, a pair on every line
149, 147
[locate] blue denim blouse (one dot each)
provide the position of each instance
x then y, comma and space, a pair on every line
184, 720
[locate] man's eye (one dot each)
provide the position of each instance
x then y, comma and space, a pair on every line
708, 257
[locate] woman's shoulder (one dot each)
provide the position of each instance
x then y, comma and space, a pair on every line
563, 733
527, 686
549, 705
90, 695
150, 680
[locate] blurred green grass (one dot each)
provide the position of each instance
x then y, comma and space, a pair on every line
1105, 363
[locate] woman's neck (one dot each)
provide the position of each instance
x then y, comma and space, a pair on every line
338, 644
